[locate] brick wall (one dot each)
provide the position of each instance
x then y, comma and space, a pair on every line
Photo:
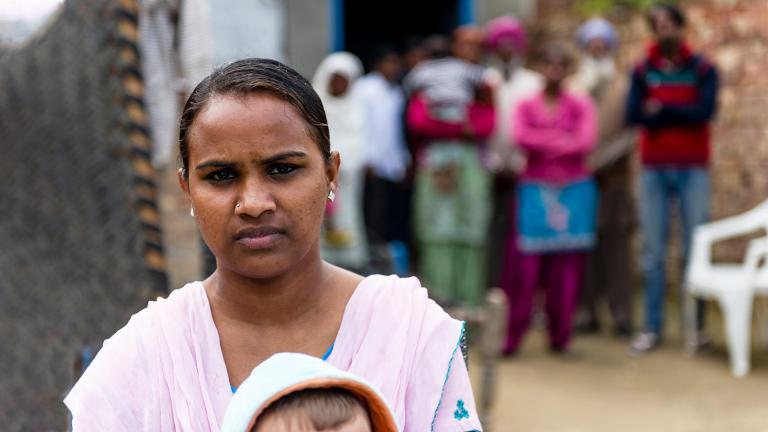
734, 34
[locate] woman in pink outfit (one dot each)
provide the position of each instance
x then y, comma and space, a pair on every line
258, 170
556, 130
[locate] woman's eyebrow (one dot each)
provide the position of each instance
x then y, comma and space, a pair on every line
270, 160
215, 164
282, 156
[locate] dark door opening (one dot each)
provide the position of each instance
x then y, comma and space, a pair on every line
368, 24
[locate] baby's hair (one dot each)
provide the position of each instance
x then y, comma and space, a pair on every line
438, 46
324, 409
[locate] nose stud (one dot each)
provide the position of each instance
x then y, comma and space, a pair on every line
237, 205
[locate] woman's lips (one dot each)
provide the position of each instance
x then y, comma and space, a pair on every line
263, 237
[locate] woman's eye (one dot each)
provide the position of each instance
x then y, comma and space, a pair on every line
282, 169
221, 175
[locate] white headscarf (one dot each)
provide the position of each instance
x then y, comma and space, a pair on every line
345, 113
595, 74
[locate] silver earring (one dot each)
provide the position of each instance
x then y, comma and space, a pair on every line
331, 196
192, 211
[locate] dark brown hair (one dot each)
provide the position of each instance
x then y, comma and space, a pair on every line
675, 14
321, 408
556, 52
255, 75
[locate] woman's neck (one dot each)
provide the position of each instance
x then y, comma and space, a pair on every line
277, 301
552, 92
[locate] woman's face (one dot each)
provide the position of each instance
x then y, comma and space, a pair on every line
414, 56
338, 85
468, 45
390, 66
665, 27
257, 183
506, 50
555, 70
598, 48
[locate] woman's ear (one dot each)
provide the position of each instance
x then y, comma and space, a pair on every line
332, 170
183, 182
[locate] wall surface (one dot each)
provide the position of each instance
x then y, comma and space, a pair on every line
489, 9
734, 34
308, 26
308, 34
234, 37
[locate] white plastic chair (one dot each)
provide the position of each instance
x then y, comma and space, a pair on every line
732, 285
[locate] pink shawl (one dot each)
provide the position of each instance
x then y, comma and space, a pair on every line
164, 370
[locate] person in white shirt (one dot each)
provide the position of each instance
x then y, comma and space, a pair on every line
344, 241
607, 278
507, 40
386, 198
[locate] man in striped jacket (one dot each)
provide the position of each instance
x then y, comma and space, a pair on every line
673, 98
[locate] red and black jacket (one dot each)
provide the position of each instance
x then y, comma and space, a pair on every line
679, 133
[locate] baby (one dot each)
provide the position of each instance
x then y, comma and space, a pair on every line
334, 409
298, 393
448, 83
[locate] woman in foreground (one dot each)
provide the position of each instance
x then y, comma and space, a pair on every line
258, 171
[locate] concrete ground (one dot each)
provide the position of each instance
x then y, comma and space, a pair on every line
606, 390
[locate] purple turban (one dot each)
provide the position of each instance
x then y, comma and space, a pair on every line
597, 28
506, 28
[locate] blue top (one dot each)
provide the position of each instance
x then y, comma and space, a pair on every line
330, 350
325, 357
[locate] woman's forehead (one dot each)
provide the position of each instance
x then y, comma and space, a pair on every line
262, 109
249, 123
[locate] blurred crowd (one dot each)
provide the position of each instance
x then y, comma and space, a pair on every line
462, 165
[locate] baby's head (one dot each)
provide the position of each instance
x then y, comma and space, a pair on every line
315, 409
298, 393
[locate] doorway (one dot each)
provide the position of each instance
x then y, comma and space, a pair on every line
367, 25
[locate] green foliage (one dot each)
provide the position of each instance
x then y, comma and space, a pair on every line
600, 7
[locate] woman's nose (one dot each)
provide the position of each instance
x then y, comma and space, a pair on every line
255, 200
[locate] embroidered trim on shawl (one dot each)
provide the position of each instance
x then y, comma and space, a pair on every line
448, 373
464, 345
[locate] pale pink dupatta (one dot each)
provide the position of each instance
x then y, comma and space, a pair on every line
402, 342
164, 370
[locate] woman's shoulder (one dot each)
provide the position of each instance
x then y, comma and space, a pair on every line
392, 286
190, 295
401, 308
148, 324
528, 107
129, 361
183, 302
145, 329
400, 295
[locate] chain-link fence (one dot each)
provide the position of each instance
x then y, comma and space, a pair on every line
79, 246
